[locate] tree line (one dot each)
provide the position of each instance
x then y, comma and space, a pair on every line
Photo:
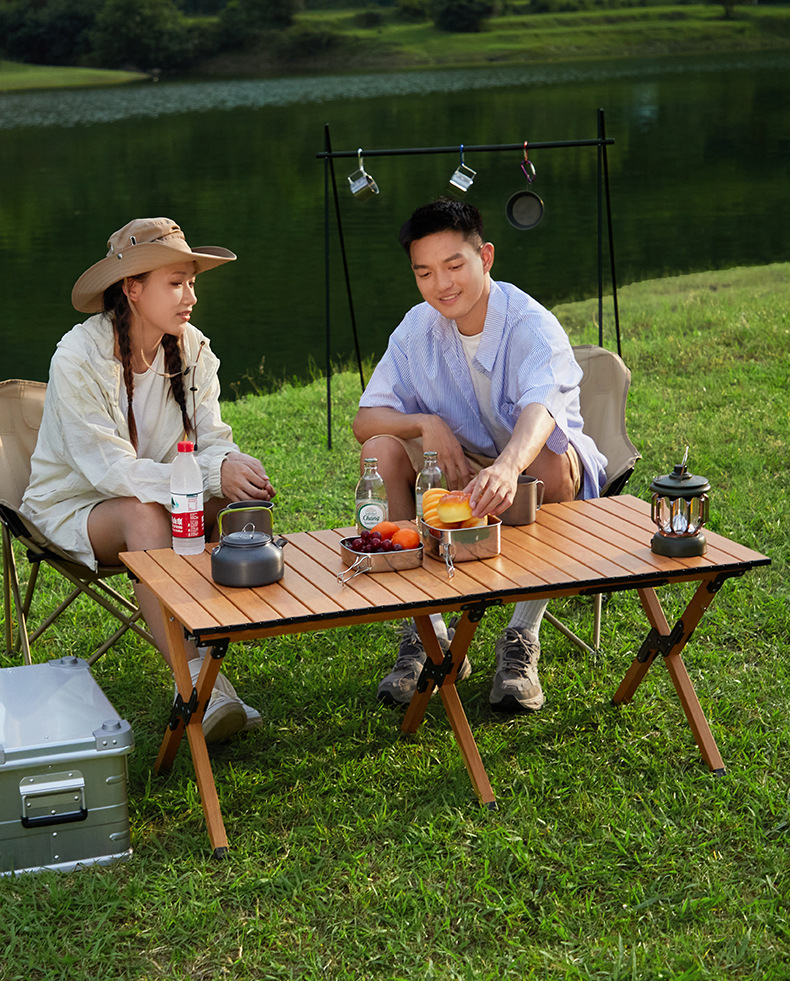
171, 35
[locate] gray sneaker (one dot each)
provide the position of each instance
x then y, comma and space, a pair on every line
516, 685
398, 687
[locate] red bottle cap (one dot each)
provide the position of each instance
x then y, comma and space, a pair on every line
185, 446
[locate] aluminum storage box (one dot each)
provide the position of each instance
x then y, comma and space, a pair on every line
63, 770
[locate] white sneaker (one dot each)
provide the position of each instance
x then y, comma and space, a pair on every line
254, 717
224, 717
226, 713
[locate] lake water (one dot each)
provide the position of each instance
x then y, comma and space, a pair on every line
698, 178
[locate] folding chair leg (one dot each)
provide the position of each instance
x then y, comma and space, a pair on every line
597, 609
568, 633
52, 618
11, 591
11, 580
7, 589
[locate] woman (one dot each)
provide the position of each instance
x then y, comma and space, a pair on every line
124, 387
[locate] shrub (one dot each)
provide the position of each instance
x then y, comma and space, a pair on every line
144, 34
368, 19
54, 34
461, 15
299, 43
412, 10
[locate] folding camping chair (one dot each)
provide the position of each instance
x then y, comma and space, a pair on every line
21, 408
603, 395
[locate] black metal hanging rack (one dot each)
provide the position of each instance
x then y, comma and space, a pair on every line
329, 156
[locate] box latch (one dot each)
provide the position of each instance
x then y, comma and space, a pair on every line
56, 798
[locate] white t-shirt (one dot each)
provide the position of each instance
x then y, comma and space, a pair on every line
481, 383
150, 393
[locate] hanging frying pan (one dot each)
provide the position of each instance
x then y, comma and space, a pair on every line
524, 210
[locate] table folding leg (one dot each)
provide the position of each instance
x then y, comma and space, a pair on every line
187, 717
669, 644
441, 671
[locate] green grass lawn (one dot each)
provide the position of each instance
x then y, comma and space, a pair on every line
26, 76
355, 855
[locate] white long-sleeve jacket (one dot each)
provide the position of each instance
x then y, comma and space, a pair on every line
84, 454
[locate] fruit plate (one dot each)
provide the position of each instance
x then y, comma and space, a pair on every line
378, 561
462, 545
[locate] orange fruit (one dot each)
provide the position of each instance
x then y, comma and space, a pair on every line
406, 538
386, 528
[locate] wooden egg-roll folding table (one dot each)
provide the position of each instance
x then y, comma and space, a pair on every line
595, 546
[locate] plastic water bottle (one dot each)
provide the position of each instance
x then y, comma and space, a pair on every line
370, 498
186, 502
429, 478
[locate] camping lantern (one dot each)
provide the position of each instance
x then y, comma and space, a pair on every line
679, 510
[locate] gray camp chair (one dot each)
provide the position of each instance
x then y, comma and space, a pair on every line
21, 408
603, 395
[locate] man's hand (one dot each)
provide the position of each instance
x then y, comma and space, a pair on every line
436, 435
493, 489
244, 477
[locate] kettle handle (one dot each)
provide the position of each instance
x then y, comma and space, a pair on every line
247, 506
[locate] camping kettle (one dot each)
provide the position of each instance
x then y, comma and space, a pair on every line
248, 557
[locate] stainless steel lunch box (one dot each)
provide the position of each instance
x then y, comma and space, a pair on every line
463, 545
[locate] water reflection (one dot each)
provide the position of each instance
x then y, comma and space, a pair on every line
698, 172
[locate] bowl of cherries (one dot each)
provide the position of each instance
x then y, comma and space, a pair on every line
388, 547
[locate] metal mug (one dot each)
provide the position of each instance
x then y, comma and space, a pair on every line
463, 177
529, 499
362, 184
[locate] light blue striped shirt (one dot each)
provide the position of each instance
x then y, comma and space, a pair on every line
524, 351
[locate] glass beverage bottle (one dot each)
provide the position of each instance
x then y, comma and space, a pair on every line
370, 498
429, 478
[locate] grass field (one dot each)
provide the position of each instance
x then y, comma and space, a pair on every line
26, 76
614, 854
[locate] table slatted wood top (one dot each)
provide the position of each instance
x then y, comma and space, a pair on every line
589, 547
600, 545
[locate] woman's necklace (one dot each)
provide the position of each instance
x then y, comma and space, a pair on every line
149, 367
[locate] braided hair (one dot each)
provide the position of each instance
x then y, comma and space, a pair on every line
117, 306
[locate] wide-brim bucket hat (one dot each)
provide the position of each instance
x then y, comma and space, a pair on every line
141, 246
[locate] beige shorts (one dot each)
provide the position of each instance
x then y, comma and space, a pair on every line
415, 453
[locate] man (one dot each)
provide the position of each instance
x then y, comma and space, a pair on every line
485, 376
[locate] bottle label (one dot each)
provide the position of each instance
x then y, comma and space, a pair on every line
186, 514
369, 514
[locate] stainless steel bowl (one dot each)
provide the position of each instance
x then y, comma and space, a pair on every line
378, 561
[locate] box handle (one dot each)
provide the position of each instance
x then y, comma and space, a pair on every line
55, 819
53, 799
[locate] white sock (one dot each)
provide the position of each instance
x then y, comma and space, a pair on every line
528, 615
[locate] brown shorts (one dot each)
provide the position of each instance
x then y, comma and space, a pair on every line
415, 453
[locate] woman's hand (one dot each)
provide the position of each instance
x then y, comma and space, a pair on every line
244, 477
